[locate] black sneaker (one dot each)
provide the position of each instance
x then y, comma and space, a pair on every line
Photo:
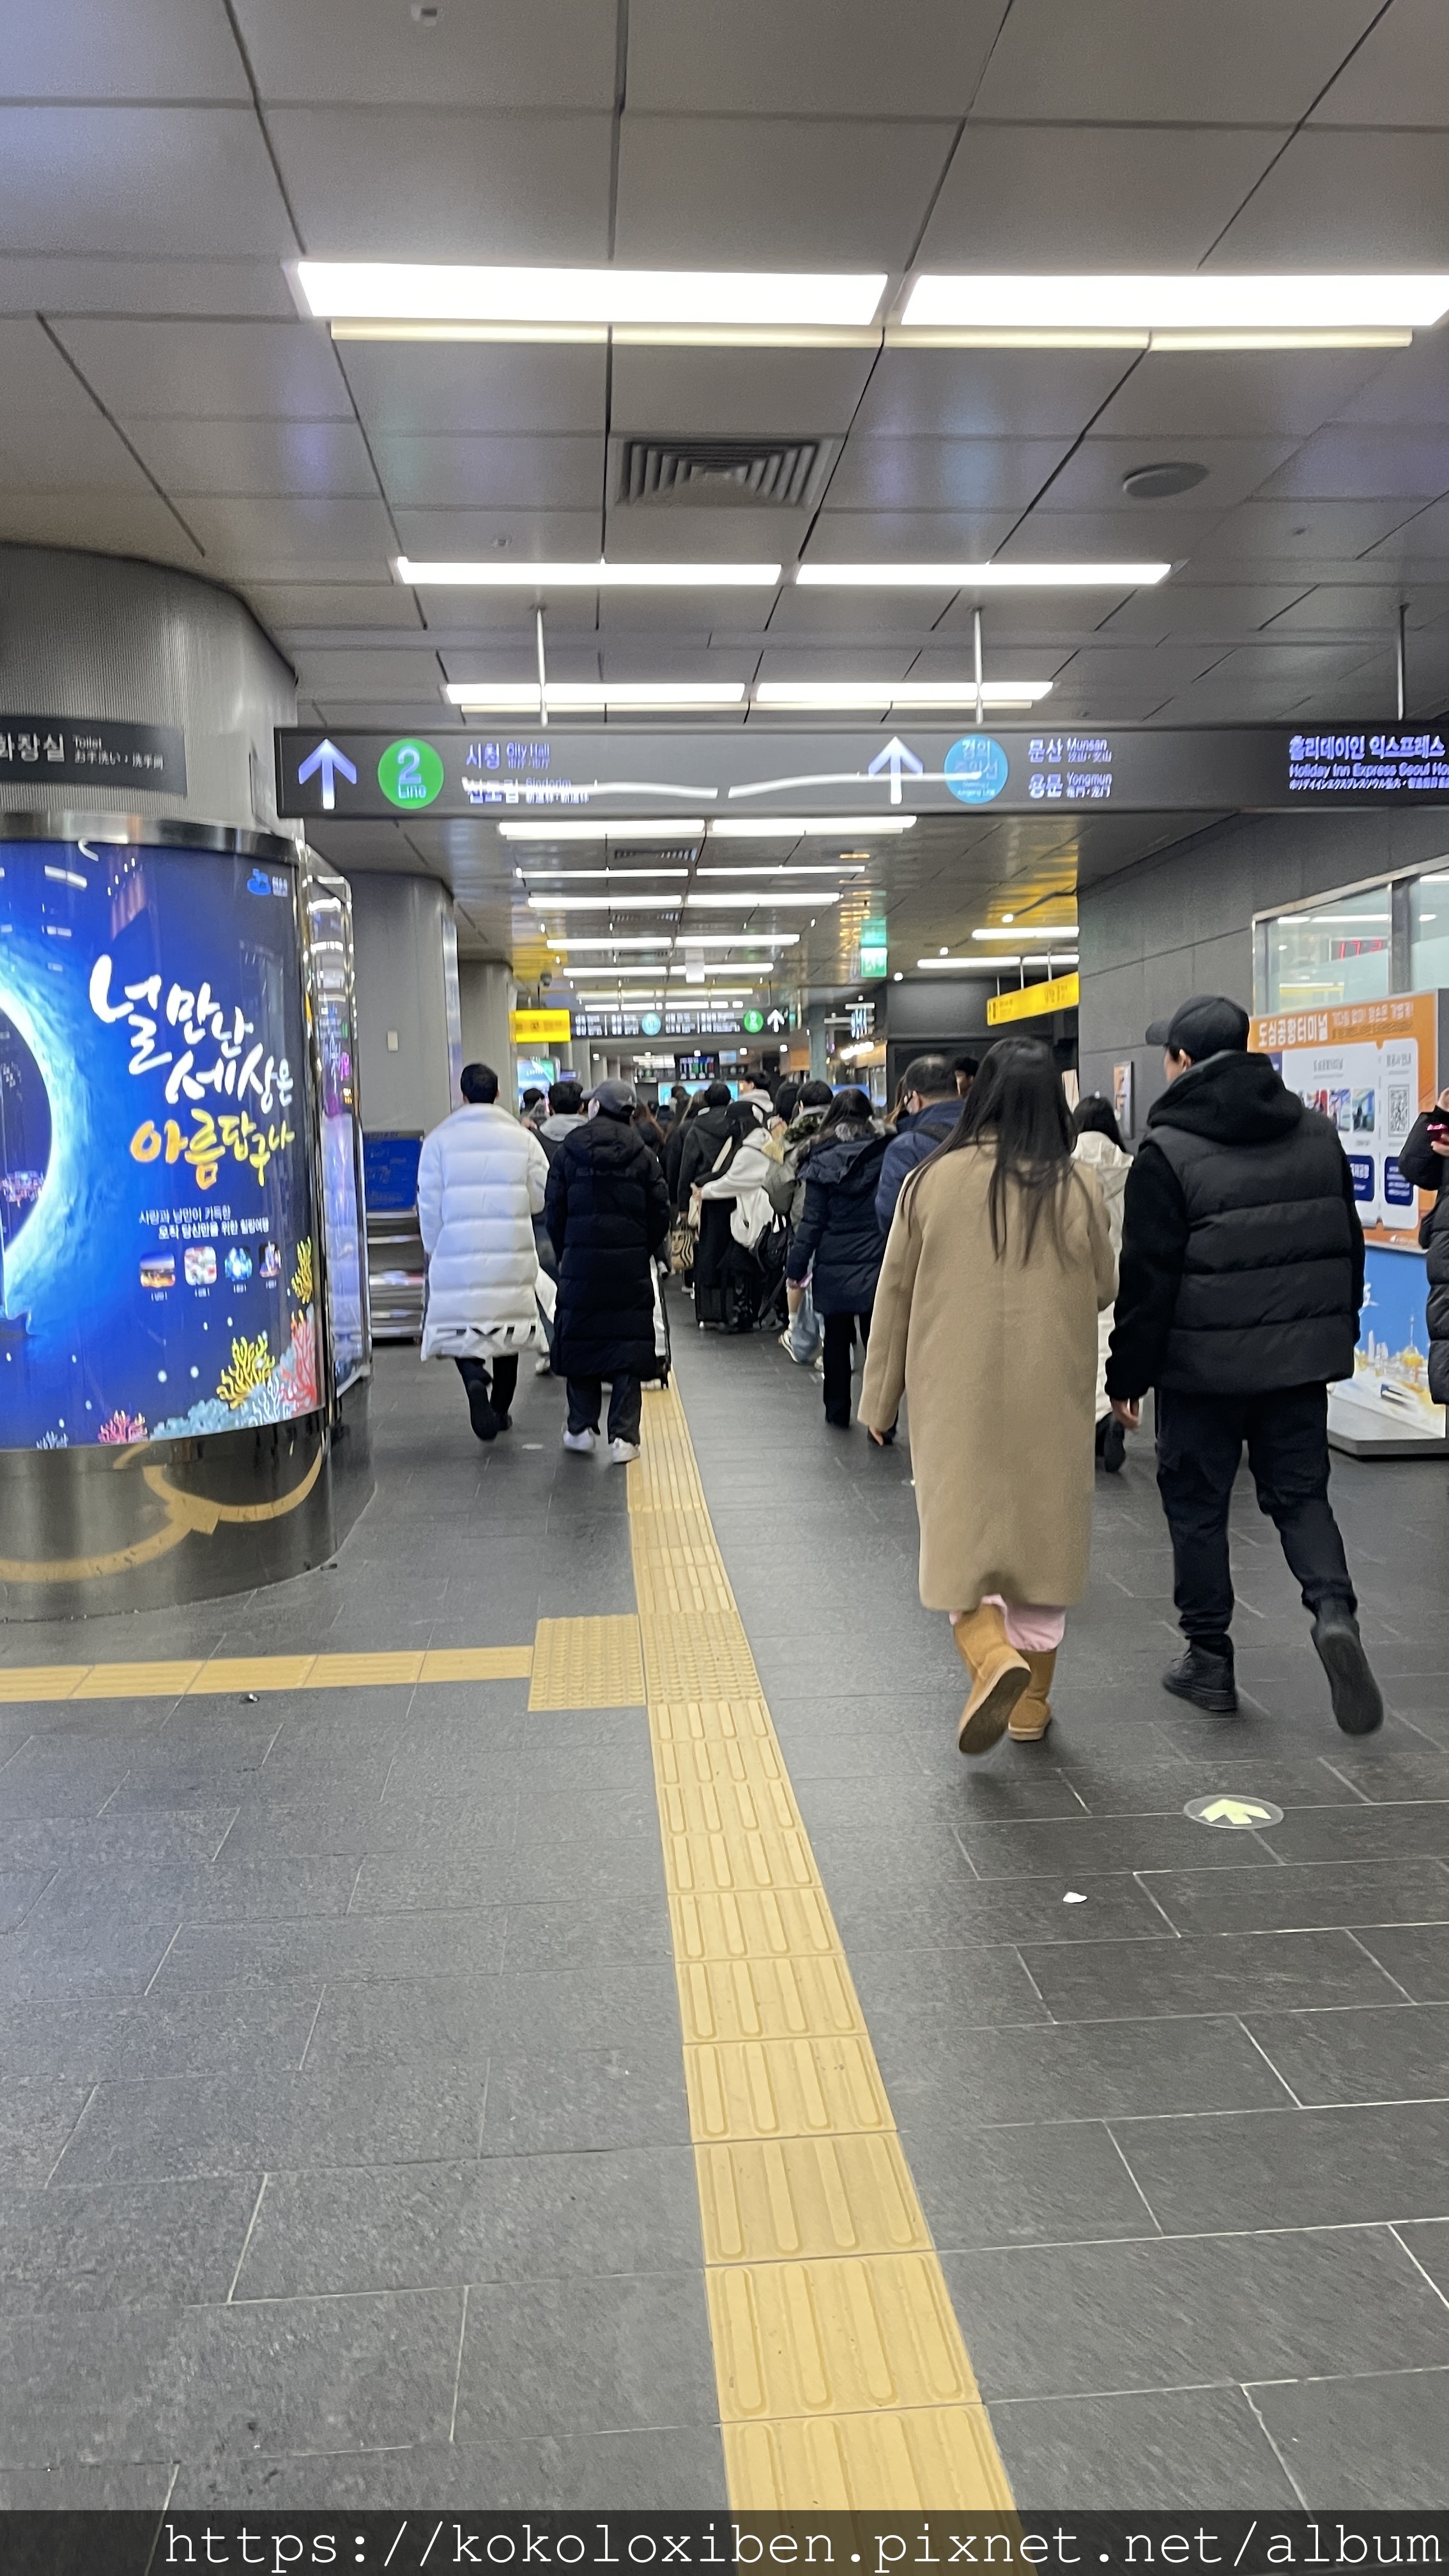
1205, 1678
481, 1413
1357, 1701
1114, 1446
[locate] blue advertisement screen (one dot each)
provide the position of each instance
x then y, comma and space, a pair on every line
156, 1254
390, 1172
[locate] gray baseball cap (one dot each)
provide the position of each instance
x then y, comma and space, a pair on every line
615, 1099
1209, 1024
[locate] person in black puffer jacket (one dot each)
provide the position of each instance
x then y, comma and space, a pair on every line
607, 1212
838, 1240
1424, 1160
1239, 1296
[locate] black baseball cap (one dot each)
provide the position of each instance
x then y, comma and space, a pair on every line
1209, 1024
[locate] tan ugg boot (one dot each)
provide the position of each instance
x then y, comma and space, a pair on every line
999, 1675
1032, 1714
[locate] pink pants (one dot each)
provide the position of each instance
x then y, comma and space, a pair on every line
1031, 1627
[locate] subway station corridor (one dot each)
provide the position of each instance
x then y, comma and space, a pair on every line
743, 701
537, 2008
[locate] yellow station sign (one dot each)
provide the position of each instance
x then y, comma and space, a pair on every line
1035, 1000
533, 1028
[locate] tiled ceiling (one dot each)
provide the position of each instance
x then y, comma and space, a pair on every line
159, 162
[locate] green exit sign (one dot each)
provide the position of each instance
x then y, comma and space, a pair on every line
873, 945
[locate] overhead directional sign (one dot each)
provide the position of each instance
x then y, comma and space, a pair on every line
1232, 1814
626, 774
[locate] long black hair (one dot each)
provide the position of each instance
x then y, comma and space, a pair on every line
849, 1110
1017, 1104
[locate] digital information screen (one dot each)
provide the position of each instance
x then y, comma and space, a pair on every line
329, 951
156, 1247
747, 771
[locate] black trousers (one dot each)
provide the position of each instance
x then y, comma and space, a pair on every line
504, 1379
626, 1405
1199, 1443
839, 1333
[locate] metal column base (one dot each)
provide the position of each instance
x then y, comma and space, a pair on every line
95, 1530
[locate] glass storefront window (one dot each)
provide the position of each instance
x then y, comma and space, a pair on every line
1429, 932
1338, 952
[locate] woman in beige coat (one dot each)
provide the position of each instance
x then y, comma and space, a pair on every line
998, 1263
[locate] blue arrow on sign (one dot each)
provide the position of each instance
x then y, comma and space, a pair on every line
329, 760
895, 758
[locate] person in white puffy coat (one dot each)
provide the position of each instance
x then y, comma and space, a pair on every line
481, 1182
1098, 1143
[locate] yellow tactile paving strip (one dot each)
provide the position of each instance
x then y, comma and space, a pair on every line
843, 2379
586, 1663
197, 1680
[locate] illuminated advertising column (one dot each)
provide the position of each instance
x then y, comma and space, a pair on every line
156, 1217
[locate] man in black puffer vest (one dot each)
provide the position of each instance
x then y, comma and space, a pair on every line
1241, 1283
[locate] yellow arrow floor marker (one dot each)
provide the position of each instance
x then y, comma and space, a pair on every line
843, 2379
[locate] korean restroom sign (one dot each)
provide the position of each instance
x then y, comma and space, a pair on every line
72, 751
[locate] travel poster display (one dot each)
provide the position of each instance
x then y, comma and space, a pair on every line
1372, 1067
156, 1243
1387, 1398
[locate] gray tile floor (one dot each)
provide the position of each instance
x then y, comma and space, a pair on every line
343, 2147
344, 2156
1184, 2144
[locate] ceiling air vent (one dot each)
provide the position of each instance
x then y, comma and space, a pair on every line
754, 471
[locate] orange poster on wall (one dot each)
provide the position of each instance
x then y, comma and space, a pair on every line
1370, 1067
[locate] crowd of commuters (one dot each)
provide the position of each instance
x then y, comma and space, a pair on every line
1008, 1269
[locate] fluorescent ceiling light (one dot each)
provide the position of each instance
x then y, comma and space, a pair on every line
595, 876
994, 965
603, 903
405, 290
574, 697
686, 828
783, 827
690, 939
841, 868
1031, 930
982, 576
776, 901
494, 575
899, 693
1196, 302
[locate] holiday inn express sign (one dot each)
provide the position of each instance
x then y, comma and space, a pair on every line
756, 772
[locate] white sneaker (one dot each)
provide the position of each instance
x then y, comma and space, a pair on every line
579, 1440
622, 1451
